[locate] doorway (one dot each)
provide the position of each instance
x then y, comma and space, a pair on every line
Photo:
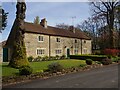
5, 54
68, 52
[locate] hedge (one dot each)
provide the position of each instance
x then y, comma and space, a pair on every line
84, 57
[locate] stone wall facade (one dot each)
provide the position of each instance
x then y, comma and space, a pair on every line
55, 45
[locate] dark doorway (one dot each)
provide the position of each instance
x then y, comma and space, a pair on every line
68, 52
5, 54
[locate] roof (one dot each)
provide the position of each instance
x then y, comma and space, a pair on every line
54, 31
3, 43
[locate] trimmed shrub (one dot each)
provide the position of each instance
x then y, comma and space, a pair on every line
106, 61
38, 59
30, 58
55, 67
46, 58
25, 70
115, 59
51, 58
89, 61
63, 57
97, 62
57, 57
84, 57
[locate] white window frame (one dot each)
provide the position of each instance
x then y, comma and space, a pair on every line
58, 40
75, 50
58, 51
40, 40
41, 51
85, 50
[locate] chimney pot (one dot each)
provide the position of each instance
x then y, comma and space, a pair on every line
72, 29
43, 23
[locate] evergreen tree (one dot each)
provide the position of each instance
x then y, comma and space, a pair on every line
37, 20
3, 19
19, 57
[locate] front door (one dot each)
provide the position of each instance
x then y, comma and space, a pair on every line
68, 52
5, 54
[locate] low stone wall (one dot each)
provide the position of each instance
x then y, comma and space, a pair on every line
19, 79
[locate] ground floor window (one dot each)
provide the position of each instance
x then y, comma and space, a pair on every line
40, 51
85, 50
76, 50
58, 51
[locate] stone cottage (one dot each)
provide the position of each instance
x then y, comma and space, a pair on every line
43, 40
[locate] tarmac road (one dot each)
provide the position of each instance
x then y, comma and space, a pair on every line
104, 77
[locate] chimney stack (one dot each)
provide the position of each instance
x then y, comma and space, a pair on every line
72, 29
43, 23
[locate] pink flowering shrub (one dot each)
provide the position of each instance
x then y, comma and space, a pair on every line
111, 52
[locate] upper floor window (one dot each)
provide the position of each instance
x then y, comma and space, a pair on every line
75, 41
84, 41
57, 39
40, 38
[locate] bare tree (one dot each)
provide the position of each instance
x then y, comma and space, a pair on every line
63, 26
107, 10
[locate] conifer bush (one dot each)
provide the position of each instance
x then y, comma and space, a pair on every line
89, 61
55, 67
25, 70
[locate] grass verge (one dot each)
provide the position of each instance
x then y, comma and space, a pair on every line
40, 66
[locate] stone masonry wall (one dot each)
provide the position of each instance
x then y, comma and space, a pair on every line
32, 43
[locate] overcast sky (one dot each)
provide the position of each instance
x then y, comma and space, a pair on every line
54, 12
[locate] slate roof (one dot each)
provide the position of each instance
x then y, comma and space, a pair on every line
54, 31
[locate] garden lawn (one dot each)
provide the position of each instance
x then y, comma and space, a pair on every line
40, 66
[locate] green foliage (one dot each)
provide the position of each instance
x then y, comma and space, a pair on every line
55, 67
106, 61
51, 58
115, 59
63, 57
46, 58
30, 58
84, 57
57, 57
38, 66
82, 65
3, 19
19, 57
89, 61
98, 62
37, 20
25, 70
37, 59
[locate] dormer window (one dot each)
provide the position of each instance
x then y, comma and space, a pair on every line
57, 39
40, 38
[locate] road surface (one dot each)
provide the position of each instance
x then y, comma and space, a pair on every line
104, 77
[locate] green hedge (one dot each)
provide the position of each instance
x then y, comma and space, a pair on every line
84, 57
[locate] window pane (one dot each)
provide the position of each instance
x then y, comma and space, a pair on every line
40, 38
